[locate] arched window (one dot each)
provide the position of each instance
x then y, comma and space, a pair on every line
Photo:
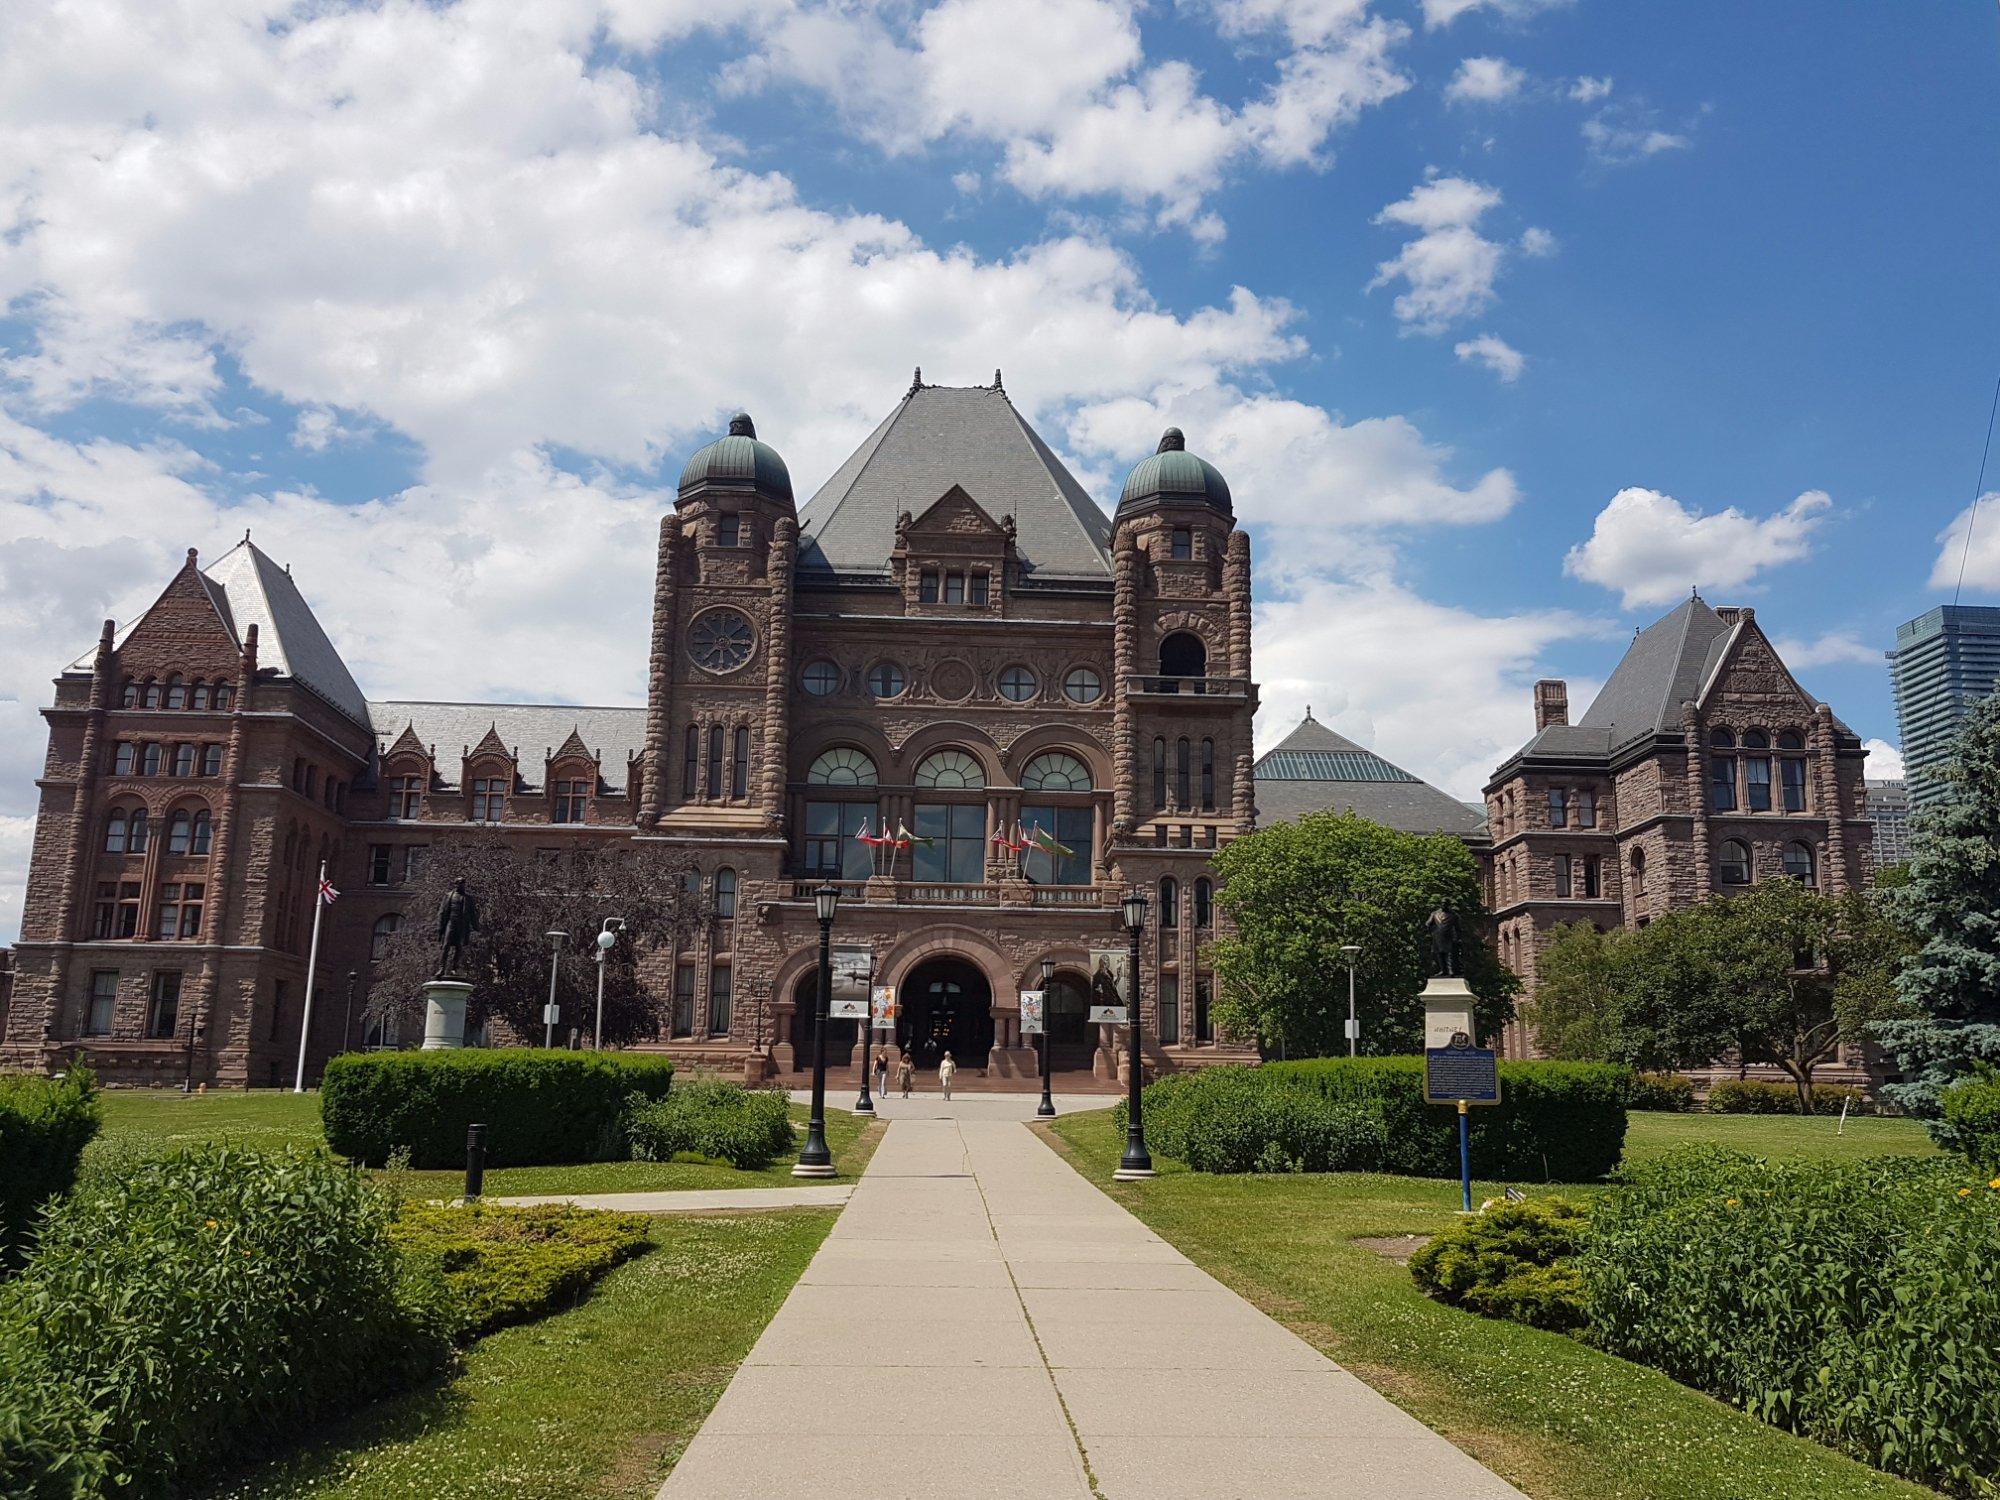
1791, 739
149, 760
224, 697
1182, 655
1083, 685
725, 893
1799, 863
714, 783
202, 834
177, 832
138, 832
211, 760
1170, 902
1159, 772
1204, 902
123, 758
177, 693
184, 760
198, 695
152, 694
1721, 770
1638, 872
1055, 772
114, 834
1732, 862
739, 764
949, 771
691, 760
843, 765
1181, 772
128, 694
378, 939
1018, 684
1208, 775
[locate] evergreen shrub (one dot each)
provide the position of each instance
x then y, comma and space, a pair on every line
1511, 1260
1672, 1093
1759, 1096
1852, 1302
1556, 1121
538, 1107
1238, 1120
711, 1117
202, 1307
1972, 1110
512, 1265
44, 1125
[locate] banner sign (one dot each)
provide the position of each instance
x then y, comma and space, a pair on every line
1461, 1073
853, 970
883, 1003
1031, 1012
1107, 1015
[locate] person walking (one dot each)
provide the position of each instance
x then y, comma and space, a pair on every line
881, 1072
905, 1072
947, 1070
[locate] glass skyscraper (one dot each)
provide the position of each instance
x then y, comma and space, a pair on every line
1945, 660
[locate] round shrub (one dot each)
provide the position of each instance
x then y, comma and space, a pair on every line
204, 1306
714, 1118
1671, 1093
538, 1107
44, 1125
1511, 1260
1972, 1110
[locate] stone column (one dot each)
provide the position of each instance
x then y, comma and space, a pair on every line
776, 730
1826, 767
1124, 664
1697, 792
660, 675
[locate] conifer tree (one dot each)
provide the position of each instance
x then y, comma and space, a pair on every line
1952, 901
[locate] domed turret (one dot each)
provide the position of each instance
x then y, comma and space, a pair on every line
739, 462
1174, 476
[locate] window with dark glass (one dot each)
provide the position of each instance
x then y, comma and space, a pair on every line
725, 893
1017, 684
1159, 773
128, 696
1082, 685
123, 758
1756, 773
691, 761
1181, 772
1170, 903
1182, 545
822, 678
378, 938
149, 760
379, 866
957, 851
713, 784
1204, 904
1208, 775
954, 588
413, 860
180, 910
211, 760
1593, 878
1204, 1023
976, 588
831, 849
104, 915
1070, 827
885, 680
1732, 863
163, 1006
729, 529
572, 798
1799, 863
199, 697
718, 1000
153, 694
184, 760
1722, 771
177, 693
1563, 883
1170, 1009
1638, 872
404, 797
739, 764
927, 587
1792, 769
178, 831
1558, 807
138, 832
1586, 808
683, 1022
103, 1002
489, 799
224, 696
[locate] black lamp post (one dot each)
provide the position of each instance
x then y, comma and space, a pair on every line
814, 1159
1048, 1105
865, 1105
1135, 1164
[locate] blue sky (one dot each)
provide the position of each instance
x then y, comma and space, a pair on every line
1508, 320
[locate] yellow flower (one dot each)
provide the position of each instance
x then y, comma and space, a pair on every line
1965, 1192
1995, 1184
211, 1223
1732, 1203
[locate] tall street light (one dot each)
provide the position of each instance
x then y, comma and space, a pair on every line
1351, 952
815, 1160
1135, 1164
1048, 1105
556, 940
607, 939
865, 1105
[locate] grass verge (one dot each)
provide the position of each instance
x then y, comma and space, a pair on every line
1650, 1133
598, 1401
1559, 1420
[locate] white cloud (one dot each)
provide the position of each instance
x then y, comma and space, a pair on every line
1495, 353
1538, 242
1485, 80
967, 183
17, 839
1651, 548
1978, 564
1587, 90
1005, 68
1885, 761
1443, 12
1449, 269
1619, 136
1320, 89
1835, 646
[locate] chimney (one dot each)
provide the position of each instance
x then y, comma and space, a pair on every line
1551, 702
1736, 614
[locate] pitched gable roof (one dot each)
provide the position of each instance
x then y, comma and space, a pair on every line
615, 734
1313, 769
1664, 667
972, 437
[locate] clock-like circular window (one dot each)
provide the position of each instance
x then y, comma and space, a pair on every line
885, 680
720, 640
822, 678
1018, 684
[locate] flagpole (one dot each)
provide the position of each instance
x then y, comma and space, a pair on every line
312, 967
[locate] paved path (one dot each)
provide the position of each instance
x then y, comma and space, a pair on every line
695, 1200
983, 1321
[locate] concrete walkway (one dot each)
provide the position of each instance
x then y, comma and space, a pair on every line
983, 1321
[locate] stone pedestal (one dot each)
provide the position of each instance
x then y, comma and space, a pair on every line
1447, 1010
444, 1013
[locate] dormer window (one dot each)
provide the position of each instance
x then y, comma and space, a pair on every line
954, 588
571, 798
927, 586
1182, 545
976, 588
489, 799
729, 530
405, 793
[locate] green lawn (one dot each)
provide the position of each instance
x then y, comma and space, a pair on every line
149, 1121
1558, 1419
1649, 1134
601, 1400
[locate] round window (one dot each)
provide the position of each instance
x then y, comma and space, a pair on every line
822, 678
1082, 685
720, 640
1017, 684
885, 679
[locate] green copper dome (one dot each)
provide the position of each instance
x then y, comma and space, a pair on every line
1174, 476
740, 462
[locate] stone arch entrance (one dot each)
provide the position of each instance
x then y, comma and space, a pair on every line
1072, 1039
947, 1004
843, 1038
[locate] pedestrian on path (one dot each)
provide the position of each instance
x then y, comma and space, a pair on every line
905, 1072
947, 1070
881, 1072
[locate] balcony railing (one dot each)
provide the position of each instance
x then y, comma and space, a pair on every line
1227, 688
927, 893
951, 893
1067, 895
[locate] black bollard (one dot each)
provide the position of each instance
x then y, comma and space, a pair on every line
475, 1161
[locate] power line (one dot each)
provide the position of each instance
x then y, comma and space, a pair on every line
1978, 490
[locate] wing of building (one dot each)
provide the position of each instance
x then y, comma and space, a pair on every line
1701, 767
952, 638
1313, 769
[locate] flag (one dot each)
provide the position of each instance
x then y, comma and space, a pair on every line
1048, 845
905, 838
326, 891
1013, 845
873, 840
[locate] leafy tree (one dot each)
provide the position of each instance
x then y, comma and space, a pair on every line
1297, 891
1577, 1005
523, 895
1952, 902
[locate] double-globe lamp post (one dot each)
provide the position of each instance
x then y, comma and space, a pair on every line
607, 939
814, 1159
1135, 1164
1048, 1106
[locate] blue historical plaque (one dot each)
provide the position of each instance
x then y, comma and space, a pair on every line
1454, 1075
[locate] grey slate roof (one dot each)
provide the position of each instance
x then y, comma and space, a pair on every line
972, 437
530, 730
1313, 769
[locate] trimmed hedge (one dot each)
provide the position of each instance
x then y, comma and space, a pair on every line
512, 1265
44, 1125
200, 1308
713, 1118
1852, 1302
1511, 1260
1556, 1121
1760, 1096
1972, 1109
539, 1107
1235, 1120
1671, 1093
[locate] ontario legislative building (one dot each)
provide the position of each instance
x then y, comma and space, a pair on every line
950, 638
